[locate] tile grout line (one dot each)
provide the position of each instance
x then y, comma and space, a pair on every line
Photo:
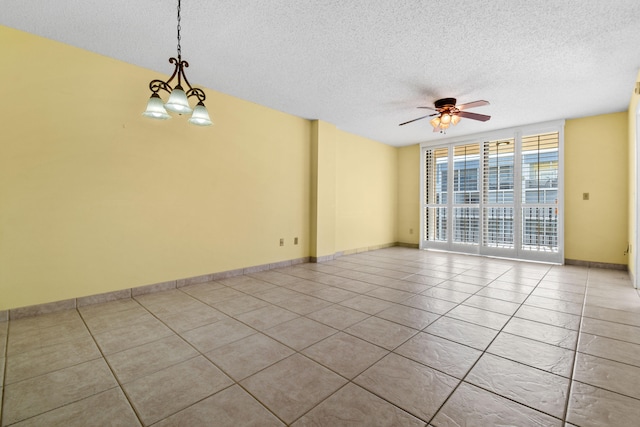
351, 380
575, 354
485, 352
295, 351
60, 369
4, 372
399, 355
320, 402
201, 354
441, 316
104, 358
419, 331
299, 352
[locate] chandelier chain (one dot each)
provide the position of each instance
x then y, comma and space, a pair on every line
179, 49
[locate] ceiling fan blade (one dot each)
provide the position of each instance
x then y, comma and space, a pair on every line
474, 116
472, 105
410, 121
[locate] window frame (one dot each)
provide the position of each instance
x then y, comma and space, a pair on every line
515, 133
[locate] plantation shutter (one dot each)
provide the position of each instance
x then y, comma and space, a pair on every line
501, 197
498, 194
435, 194
540, 192
466, 194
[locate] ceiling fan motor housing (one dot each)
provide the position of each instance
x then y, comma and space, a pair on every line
445, 103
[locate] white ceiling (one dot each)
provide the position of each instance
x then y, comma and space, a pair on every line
365, 65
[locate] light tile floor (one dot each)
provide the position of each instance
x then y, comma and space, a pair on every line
394, 337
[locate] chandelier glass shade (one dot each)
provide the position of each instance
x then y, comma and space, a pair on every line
178, 101
444, 120
200, 116
155, 108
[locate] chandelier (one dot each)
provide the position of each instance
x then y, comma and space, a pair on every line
178, 98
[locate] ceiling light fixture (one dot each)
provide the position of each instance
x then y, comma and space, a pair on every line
178, 98
448, 115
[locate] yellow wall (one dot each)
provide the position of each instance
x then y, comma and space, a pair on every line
366, 174
95, 198
596, 162
633, 176
323, 189
409, 195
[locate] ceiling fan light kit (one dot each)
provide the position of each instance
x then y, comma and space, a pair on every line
447, 113
178, 98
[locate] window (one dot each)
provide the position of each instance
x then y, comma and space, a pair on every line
488, 211
466, 191
540, 192
498, 231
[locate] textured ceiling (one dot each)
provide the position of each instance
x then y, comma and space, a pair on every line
365, 65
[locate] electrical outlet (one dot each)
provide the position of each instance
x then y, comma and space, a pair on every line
281, 242
295, 240
585, 196
411, 231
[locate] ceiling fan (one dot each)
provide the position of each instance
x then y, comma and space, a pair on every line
448, 113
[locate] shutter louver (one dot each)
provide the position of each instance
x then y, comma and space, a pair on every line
436, 168
540, 192
498, 194
466, 194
